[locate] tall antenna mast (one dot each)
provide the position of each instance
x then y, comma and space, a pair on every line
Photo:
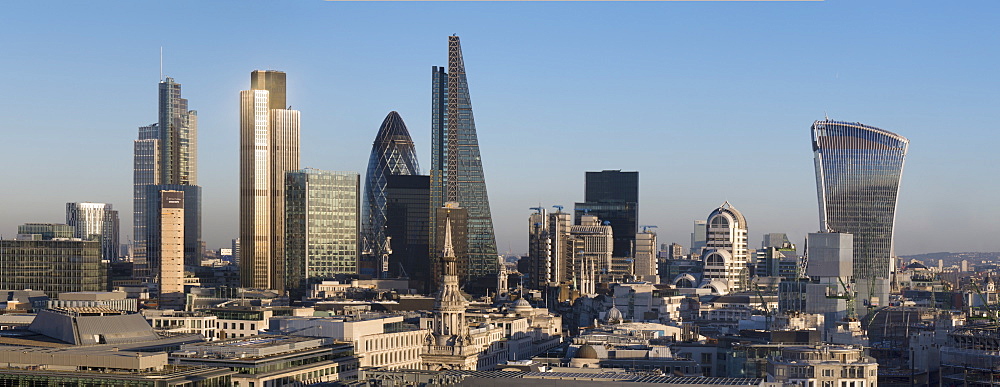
161, 63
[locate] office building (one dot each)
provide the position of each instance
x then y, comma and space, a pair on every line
456, 165
830, 266
52, 266
698, 237
321, 226
47, 230
407, 208
613, 196
392, 153
548, 247
644, 262
590, 248
777, 240
274, 360
192, 225
165, 153
823, 366
379, 340
165, 242
269, 146
858, 172
95, 221
726, 254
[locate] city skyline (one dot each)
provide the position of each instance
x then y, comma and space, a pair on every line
554, 118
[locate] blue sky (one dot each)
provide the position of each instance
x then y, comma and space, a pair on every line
709, 101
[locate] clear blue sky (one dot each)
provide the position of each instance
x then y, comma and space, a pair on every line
709, 101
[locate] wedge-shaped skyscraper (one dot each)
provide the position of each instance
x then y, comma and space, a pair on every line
393, 154
858, 171
456, 165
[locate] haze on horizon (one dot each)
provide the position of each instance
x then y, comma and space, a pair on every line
709, 101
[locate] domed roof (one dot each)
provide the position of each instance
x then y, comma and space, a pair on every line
615, 316
728, 211
522, 305
586, 352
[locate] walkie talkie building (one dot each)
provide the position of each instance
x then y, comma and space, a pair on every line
858, 171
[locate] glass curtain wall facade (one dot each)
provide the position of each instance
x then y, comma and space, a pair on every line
321, 226
165, 152
456, 164
858, 172
613, 196
408, 213
392, 154
52, 266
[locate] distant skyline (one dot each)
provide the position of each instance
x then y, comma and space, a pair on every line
708, 101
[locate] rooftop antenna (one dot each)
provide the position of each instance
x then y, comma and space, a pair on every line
825, 117
161, 63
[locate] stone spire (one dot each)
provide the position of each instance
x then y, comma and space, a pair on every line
450, 306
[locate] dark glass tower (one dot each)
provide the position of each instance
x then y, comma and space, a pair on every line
456, 165
613, 196
858, 171
408, 223
392, 154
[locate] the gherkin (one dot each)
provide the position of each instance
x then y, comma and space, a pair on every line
392, 154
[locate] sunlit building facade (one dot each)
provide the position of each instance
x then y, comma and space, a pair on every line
321, 226
726, 253
269, 146
858, 172
95, 221
456, 165
393, 153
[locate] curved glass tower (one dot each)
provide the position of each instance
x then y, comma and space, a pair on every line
392, 154
858, 171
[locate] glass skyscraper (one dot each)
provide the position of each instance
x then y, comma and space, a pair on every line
457, 167
613, 196
858, 171
166, 152
392, 154
321, 226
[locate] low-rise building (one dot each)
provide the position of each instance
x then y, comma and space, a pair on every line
823, 366
379, 340
274, 360
172, 321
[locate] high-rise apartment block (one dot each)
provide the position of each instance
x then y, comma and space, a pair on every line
613, 196
726, 254
858, 173
456, 166
269, 146
392, 154
321, 226
95, 221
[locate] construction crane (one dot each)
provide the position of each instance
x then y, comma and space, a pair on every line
644, 228
558, 208
538, 209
